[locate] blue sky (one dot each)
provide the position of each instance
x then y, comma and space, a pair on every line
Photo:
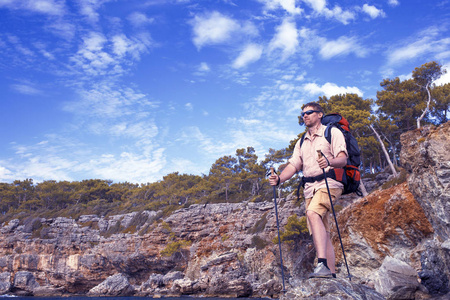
133, 90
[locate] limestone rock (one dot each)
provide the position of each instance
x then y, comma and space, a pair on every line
113, 286
170, 277
154, 281
396, 279
48, 291
25, 281
336, 289
426, 155
5, 282
186, 286
435, 263
239, 287
10, 226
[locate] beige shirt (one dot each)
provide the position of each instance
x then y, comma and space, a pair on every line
305, 158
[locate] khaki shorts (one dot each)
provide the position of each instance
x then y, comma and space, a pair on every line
320, 204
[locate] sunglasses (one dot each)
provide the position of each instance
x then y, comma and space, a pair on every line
308, 112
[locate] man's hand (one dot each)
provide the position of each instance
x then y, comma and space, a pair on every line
337, 162
273, 179
323, 162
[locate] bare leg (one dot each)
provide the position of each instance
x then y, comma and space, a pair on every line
319, 234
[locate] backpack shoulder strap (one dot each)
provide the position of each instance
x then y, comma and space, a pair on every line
328, 132
302, 139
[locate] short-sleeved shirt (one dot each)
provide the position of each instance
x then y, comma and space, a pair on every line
305, 158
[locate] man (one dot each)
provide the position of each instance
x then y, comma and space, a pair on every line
317, 201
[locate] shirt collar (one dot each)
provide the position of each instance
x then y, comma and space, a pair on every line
319, 132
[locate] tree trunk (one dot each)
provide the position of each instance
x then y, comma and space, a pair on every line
388, 159
363, 189
426, 109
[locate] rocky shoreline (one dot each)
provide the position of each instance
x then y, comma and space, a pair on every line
397, 244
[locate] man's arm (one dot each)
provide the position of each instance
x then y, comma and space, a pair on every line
287, 173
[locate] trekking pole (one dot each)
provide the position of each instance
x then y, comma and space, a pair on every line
334, 215
278, 228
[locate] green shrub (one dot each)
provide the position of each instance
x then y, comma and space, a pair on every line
259, 225
259, 243
174, 247
402, 177
294, 230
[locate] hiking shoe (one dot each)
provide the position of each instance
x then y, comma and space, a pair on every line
321, 271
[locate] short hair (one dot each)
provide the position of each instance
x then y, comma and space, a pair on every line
315, 106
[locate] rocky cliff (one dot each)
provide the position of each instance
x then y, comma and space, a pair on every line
396, 243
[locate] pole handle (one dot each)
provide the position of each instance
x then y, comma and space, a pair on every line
272, 170
319, 153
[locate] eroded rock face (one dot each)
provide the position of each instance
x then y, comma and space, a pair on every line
25, 283
5, 282
217, 252
114, 286
426, 155
339, 289
396, 279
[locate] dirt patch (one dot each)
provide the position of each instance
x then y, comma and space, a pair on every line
383, 216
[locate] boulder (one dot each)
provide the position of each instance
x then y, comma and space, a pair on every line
396, 279
336, 289
170, 277
5, 282
435, 263
114, 286
186, 286
48, 291
25, 281
154, 281
239, 287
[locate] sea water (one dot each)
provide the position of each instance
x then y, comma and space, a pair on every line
121, 298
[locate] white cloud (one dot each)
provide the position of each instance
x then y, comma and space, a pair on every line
286, 39
342, 46
100, 56
189, 106
372, 11
207, 145
107, 101
5, 174
427, 42
139, 19
444, 78
48, 7
26, 89
216, 28
41, 164
393, 2
287, 5
250, 54
88, 8
203, 67
317, 5
343, 16
127, 166
330, 89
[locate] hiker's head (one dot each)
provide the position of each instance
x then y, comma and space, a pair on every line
312, 113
